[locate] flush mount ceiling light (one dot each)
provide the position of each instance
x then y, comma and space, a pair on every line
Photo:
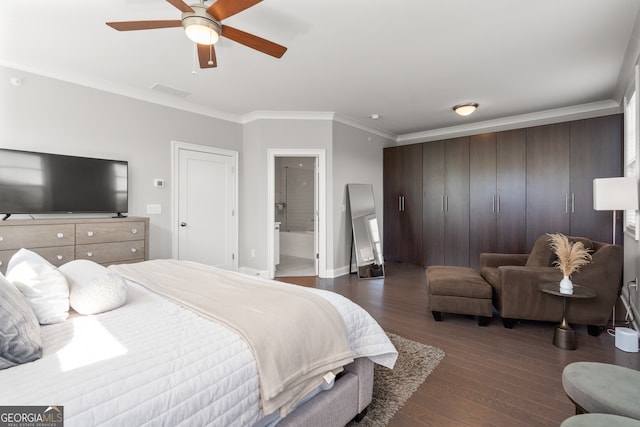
466, 108
200, 27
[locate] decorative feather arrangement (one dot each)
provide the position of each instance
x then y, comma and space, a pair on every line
571, 256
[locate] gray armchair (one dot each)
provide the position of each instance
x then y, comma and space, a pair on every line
515, 279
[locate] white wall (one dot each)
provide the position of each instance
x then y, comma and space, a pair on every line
258, 137
357, 159
49, 115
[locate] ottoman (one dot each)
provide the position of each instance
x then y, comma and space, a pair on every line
459, 290
602, 388
599, 420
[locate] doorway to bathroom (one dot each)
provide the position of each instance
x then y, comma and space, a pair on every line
295, 216
320, 196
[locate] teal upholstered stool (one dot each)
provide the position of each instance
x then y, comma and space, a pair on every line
599, 420
602, 388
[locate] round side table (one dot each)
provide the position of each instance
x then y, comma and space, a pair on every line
564, 337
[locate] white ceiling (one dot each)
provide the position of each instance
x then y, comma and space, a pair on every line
409, 61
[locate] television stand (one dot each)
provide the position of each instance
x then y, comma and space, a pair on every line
119, 215
6, 217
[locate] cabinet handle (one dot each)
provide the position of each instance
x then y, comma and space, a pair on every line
59, 257
446, 203
60, 235
402, 203
90, 233
498, 204
134, 250
0, 262
89, 254
566, 203
493, 203
573, 203
1, 238
134, 230
399, 203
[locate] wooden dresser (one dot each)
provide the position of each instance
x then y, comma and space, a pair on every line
103, 240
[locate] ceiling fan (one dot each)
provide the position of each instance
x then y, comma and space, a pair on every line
203, 25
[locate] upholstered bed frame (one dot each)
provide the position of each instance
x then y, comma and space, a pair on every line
348, 399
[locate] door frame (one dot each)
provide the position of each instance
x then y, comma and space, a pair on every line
321, 197
176, 146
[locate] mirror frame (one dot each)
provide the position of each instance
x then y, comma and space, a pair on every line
366, 242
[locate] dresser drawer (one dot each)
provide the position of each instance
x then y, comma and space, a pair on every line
56, 255
109, 232
104, 253
34, 236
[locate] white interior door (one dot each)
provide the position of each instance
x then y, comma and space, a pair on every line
206, 224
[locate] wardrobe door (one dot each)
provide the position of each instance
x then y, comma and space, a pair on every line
411, 214
596, 152
511, 189
402, 170
483, 199
548, 192
456, 232
392, 184
433, 203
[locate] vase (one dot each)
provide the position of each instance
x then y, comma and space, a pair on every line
566, 286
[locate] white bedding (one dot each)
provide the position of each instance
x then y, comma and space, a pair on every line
151, 362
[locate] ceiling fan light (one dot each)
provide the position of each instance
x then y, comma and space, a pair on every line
466, 108
201, 30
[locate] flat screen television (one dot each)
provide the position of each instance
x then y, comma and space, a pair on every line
37, 183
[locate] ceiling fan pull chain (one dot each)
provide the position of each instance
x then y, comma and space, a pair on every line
211, 54
195, 53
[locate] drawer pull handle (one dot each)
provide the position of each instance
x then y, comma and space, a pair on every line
60, 235
134, 230
59, 257
89, 254
134, 250
1, 238
0, 262
90, 233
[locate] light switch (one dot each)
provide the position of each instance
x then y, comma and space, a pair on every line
154, 209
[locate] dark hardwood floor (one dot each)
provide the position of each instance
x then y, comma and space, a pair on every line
490, 376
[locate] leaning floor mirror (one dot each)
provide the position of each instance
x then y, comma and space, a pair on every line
365, 243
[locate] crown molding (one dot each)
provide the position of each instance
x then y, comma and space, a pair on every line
576, 112
314, 115
147, 95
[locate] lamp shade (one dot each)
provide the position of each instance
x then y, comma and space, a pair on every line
615, 194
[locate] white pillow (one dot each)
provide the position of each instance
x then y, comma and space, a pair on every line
93, 288
42, 284
20, 340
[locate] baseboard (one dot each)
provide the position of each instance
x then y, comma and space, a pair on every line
340, 271
253, 272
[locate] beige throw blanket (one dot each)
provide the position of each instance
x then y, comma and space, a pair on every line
296, 337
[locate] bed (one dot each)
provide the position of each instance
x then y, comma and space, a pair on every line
157, 359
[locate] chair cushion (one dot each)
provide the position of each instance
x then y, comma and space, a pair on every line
603, 388
541, 254
491, 275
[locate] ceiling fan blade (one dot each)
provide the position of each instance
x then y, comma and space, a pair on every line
180, 5
254, 42
223, 9
143, 25
207, 56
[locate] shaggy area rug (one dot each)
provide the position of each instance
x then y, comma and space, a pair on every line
393, 387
